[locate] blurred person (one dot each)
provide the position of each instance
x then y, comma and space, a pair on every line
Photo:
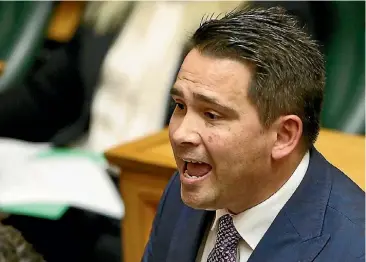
53, 103
250, 185
14, 248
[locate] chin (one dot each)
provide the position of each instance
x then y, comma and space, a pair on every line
197, 201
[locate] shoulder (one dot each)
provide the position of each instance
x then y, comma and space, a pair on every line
345, 216
171, 193
165, 221
170, 206
347, 200
170, 203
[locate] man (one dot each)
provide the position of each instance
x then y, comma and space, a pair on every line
251, 186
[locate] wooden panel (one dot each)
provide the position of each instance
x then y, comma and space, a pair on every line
149, 152
346, 152
2, 67
141, 194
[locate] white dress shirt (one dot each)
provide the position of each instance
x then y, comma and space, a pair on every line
253, 223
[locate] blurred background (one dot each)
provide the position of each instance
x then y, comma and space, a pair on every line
93, 75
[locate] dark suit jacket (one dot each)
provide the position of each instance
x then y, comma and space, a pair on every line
323, 221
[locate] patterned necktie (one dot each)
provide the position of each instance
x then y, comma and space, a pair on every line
226, 242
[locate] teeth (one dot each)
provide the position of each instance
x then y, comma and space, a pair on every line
192, 161
189, 176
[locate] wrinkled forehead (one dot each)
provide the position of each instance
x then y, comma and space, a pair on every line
223, 76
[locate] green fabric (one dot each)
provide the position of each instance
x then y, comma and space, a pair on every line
344, 100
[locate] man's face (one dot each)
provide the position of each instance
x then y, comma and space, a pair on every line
215, 124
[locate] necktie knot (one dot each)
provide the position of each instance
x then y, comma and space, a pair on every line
226, 242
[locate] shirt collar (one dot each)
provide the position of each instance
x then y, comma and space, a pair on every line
253, 223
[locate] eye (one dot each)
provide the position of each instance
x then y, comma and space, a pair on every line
174, 104
211, 116
180, 106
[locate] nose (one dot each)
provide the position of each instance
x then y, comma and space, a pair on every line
186, 132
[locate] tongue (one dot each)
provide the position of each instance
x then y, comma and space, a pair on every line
195, 169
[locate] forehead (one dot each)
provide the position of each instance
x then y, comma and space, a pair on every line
225, 77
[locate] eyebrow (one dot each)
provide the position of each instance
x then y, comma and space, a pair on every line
206, 99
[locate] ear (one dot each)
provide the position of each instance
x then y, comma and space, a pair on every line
289, 132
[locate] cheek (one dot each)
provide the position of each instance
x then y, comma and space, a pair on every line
210, 139
231, 148
219, 144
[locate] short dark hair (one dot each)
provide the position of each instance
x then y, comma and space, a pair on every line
289, 74
14, 248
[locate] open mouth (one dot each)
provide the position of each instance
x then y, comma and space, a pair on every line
195, 169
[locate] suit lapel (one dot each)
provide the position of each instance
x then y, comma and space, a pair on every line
296, 233
188, 234
283, 243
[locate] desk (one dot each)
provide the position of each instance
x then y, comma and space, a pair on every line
147, 164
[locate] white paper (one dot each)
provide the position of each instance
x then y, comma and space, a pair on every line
71, 180
13, 152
